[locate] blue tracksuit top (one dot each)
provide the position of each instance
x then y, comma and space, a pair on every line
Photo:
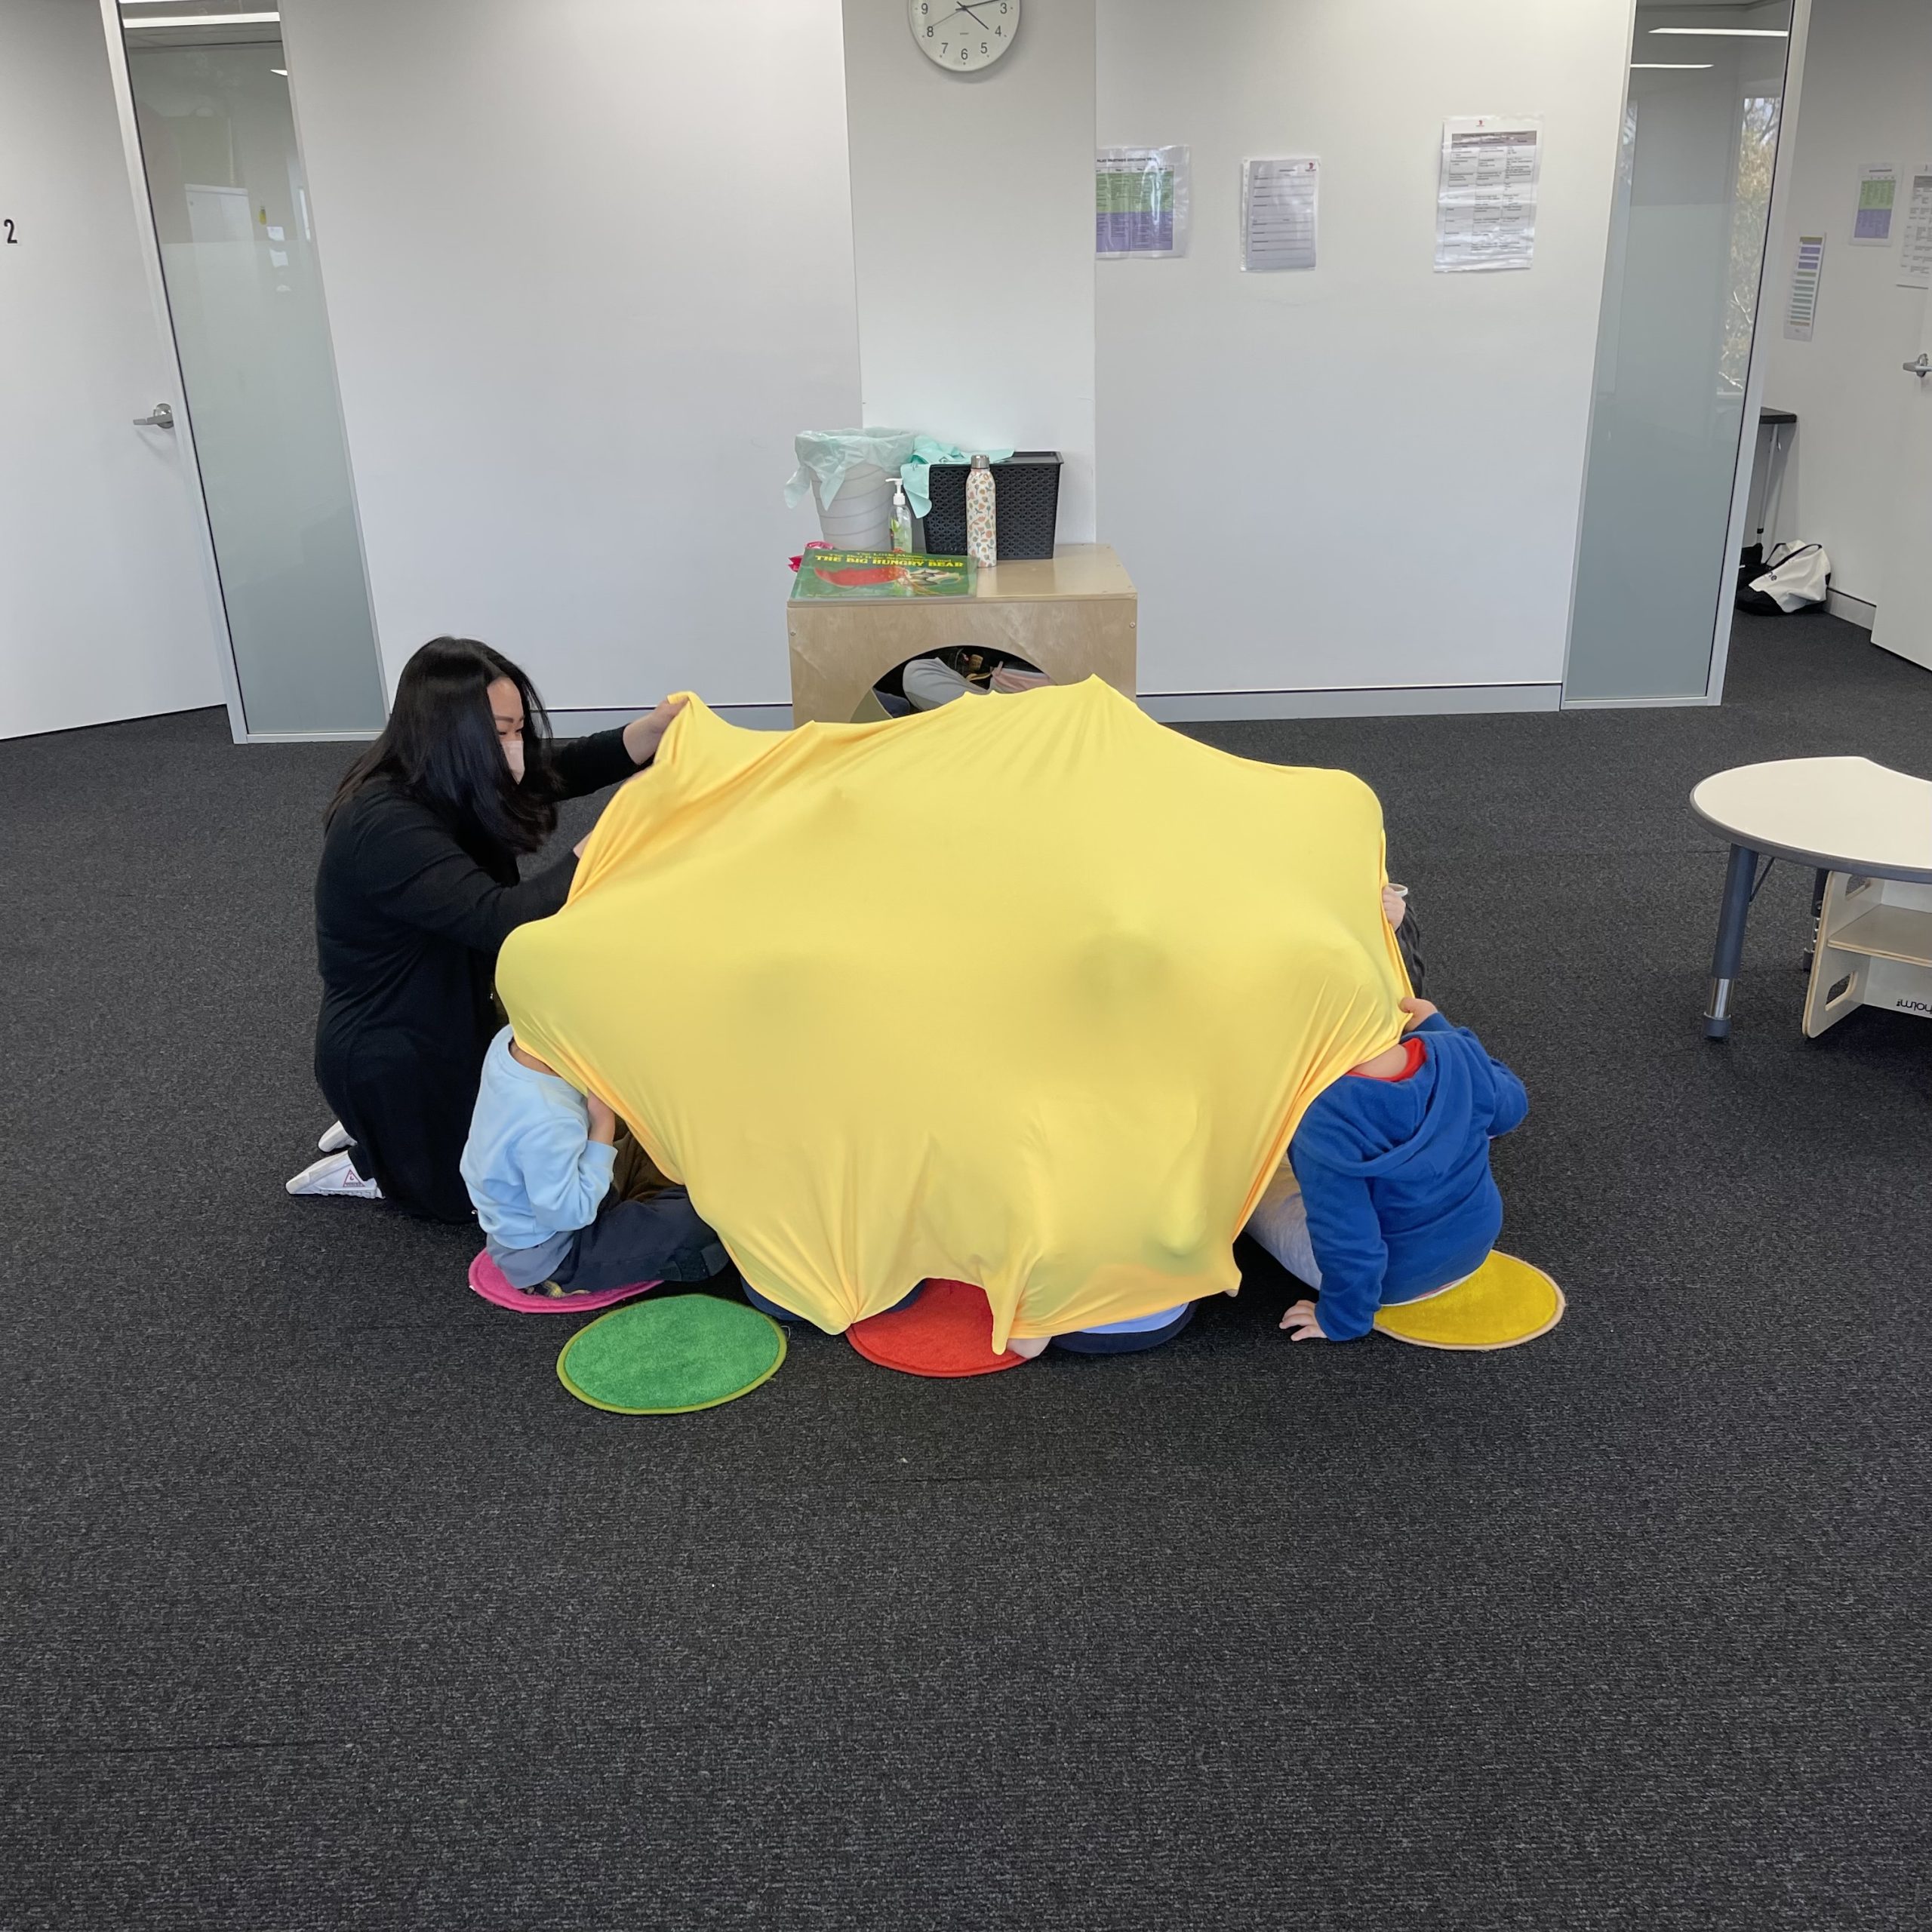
1395, 1175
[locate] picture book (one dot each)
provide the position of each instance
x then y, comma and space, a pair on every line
866, 574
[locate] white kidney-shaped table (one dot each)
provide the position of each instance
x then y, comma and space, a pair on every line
1867, 830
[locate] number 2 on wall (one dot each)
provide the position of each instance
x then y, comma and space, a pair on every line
9, 221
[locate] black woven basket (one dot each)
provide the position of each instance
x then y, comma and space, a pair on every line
1026, 506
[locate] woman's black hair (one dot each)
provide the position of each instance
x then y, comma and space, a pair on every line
440, 746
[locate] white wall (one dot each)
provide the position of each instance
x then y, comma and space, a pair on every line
102, 612
1367, 474
588, 267
1867, 98
972, 230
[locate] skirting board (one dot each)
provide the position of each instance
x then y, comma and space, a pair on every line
753, 717
1385, 701
1200, 707
1853, 610
1680, 701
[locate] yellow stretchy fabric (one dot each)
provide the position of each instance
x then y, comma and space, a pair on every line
1029, 990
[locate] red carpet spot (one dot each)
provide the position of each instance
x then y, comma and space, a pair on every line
947, 1331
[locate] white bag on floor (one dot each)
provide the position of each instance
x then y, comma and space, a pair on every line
1795, 575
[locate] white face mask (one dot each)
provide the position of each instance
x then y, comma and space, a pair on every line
513, 756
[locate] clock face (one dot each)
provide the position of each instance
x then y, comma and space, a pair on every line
963, 35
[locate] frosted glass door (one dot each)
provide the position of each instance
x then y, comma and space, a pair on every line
237, 255
1699, 137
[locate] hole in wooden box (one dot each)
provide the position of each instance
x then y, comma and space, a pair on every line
937, 677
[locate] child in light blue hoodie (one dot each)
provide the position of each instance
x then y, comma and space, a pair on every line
540, 1164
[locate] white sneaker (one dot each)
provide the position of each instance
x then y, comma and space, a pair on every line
335, 1140
335, 1174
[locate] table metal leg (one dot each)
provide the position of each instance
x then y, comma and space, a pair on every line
1822, 879
1729, 948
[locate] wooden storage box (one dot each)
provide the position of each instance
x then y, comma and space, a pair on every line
1074, 616
1874, 949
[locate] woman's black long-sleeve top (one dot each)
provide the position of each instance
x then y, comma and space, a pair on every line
408, 920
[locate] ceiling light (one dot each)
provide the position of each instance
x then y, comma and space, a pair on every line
201, 20
1730, 33
1674, 66
282, 71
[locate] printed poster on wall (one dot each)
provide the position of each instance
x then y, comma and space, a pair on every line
1871, 220
1800, 310
1486, 195
1280, 199
1140, 201
1915, 245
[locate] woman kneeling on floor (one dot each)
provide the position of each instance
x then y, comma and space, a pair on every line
418, 888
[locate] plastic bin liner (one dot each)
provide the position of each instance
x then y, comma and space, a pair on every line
828, 454
916, 472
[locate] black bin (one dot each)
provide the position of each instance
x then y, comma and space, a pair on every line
1026, 506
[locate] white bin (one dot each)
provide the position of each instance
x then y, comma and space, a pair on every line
860, 517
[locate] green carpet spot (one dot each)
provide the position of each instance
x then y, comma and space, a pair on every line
670, 1354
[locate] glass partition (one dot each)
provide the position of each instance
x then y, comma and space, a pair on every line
238, 257
1699, 140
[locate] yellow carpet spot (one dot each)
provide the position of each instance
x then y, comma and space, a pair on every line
1506, 1301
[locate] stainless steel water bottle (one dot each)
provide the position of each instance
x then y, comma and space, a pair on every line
982, 524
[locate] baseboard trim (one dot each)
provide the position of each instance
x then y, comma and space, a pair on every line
1370, 701
1195, 707
11, 733
753, 717
309, 737
1637, 703
1853, 610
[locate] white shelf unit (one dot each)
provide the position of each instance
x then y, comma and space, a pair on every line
1875, 949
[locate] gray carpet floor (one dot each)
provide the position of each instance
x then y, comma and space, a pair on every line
325, 1606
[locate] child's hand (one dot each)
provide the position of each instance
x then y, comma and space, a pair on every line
1418, 1011
1303, 1324
1393, 906
603, 1121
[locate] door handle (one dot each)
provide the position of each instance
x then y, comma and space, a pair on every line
1921, 368
163, 418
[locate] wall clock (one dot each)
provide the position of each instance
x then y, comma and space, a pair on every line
963, 35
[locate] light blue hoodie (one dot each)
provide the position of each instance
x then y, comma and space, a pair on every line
530, 1165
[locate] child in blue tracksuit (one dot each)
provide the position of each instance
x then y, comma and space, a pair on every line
1387, 1195
541, 1164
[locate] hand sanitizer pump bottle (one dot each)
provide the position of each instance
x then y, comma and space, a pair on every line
982, 532
902, 519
